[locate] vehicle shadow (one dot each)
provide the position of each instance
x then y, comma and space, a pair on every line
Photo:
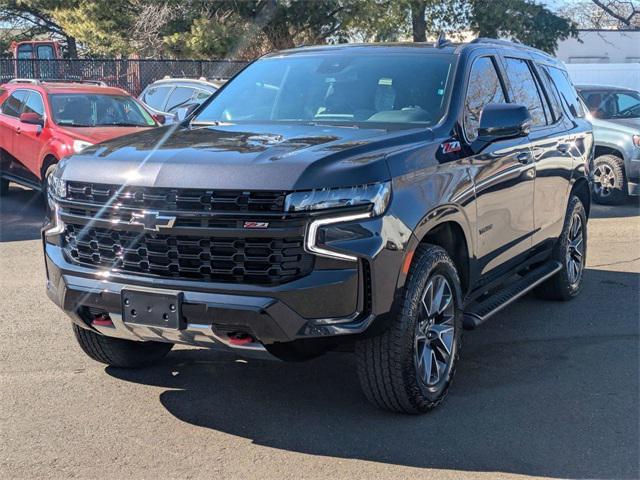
22, 214
630, 208
544, 388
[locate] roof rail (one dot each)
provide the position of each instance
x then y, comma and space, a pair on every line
32, 81
506, 43
100, 83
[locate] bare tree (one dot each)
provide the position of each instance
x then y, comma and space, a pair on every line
147, 33
626, 12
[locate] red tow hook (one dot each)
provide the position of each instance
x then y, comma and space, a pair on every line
102, 321
240, 339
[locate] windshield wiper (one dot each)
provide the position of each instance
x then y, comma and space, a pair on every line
73, 124
210, 123
120, 125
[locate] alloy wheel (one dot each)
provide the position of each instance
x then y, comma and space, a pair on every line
435, 331
604, 180
575, 250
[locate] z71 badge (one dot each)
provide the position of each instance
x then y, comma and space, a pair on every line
451, 147
256, 224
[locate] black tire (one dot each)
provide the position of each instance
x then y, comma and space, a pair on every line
609, 182
388, 364
48, 170
563, 286
117, 352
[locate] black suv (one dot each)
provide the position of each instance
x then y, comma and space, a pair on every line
373, 198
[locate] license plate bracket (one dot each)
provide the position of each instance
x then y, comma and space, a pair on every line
152, 309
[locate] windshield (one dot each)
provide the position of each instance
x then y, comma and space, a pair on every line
87, 110
611, 104
338, 88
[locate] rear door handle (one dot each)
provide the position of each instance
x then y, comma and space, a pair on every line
524, 157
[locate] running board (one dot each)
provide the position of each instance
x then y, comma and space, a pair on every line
477, 312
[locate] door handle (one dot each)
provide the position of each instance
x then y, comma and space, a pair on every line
18, 130
524, 157
563, 147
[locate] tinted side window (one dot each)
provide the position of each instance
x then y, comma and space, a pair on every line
484, 87
524, 89
566, 91
34, 104
13, 105
25, 51
45, 52
552, 92
155, 96
179, 96
200, 96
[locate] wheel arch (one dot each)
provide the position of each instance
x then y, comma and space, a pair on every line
48, 160
582, 190
602, 149
449, 228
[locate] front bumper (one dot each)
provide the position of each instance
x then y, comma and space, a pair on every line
325, 303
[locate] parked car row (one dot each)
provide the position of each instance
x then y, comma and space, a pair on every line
42, 121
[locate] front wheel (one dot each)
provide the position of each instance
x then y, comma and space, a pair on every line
609, 185
410, 366
571, 252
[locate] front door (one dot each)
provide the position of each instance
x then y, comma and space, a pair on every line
503, 175
29, 137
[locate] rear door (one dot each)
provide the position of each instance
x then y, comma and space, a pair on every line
551, 143
503, 178
10, 110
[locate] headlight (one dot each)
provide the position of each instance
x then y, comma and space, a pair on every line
57, 187
80, 145
377, 195
636, 140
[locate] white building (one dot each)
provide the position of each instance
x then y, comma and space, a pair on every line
603, 57
601, 46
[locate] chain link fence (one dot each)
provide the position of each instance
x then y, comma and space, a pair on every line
129, 74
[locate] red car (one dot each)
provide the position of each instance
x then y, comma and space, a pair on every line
41, 122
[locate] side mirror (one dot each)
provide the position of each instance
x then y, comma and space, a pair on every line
503, 120
32, 118
161, 119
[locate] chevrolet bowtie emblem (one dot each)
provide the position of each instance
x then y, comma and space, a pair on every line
152, 220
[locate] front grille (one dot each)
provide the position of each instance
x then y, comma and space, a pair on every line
263, 260
176, 199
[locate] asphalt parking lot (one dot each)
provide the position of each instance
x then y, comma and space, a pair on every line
544, 389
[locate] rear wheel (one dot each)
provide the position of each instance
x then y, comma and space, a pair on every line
409, 367
571, 252
609, 186
117, 352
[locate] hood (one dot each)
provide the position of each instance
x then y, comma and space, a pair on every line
630, 125
101, 134
251, 157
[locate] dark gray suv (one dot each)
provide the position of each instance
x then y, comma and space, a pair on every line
373, 198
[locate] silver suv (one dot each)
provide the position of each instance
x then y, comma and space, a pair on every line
615, 115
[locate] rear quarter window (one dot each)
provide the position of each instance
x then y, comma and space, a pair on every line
155, 97
566, 91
